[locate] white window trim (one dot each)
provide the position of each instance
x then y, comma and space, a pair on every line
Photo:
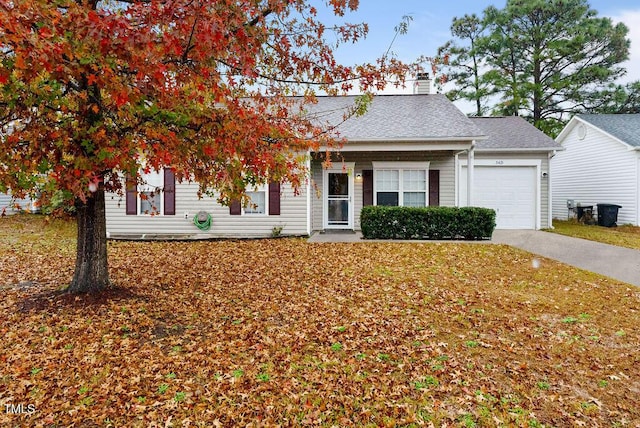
160, 210
401, 167
259, 188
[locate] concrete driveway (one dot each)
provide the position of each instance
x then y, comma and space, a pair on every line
616, 262
619, 263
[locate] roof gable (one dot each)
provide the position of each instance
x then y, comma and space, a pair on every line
624, 127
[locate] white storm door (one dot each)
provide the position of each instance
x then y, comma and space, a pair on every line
338, 203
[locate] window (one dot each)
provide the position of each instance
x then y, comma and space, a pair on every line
263, 200
156, 194
257, 201
401, 183
388, 187
414, 188
150, 193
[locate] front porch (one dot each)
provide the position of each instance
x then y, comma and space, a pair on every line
410, 178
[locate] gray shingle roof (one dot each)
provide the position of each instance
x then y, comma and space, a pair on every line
399, 118
625, 127
512, 132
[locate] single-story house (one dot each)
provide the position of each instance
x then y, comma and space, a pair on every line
600, 164
408, 150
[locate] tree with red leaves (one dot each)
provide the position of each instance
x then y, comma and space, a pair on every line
95, 91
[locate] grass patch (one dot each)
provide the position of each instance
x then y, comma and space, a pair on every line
323, 341
622, 236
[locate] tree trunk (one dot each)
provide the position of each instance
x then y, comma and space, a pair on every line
91, 274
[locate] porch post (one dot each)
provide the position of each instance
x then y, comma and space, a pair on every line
470, 180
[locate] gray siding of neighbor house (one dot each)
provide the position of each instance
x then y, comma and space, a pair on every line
292, 218
543, 157
7, 204
442, 161
596, 169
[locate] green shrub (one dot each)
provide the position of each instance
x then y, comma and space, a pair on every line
378, 222
58, 204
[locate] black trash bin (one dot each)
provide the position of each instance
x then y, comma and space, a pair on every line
608, 214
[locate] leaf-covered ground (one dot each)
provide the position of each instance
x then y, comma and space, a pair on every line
623, 236
282, 332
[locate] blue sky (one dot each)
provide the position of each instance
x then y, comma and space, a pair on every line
432, 19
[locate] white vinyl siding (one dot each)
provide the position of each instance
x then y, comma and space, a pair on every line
292, 218
596, 169
10, 206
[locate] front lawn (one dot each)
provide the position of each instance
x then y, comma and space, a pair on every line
622, 236
282, 332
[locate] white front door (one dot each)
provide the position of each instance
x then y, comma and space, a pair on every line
338, 199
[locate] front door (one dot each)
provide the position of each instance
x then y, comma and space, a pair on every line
338, 206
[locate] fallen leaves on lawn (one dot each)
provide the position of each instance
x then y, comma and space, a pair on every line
282, 332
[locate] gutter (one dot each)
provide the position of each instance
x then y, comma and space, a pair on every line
461, 139
523, 150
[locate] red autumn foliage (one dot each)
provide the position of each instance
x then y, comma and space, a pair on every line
99, 89
94, 90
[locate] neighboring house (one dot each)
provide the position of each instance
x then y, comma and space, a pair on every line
600, 164
410, 150
8, 205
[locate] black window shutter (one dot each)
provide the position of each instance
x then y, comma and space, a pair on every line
132, 196
434, 187
274, 198
235, 208
169, 192
367, 187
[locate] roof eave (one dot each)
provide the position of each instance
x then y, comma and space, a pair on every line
385, 145
520, 149
465, 139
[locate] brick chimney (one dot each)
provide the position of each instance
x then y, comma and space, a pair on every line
422, 85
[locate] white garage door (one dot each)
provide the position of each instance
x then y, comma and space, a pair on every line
510, 190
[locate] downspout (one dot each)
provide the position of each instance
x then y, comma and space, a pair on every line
470, 178
550, 156
457, 177
637, 186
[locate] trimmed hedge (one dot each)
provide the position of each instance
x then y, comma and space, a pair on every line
471, 223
